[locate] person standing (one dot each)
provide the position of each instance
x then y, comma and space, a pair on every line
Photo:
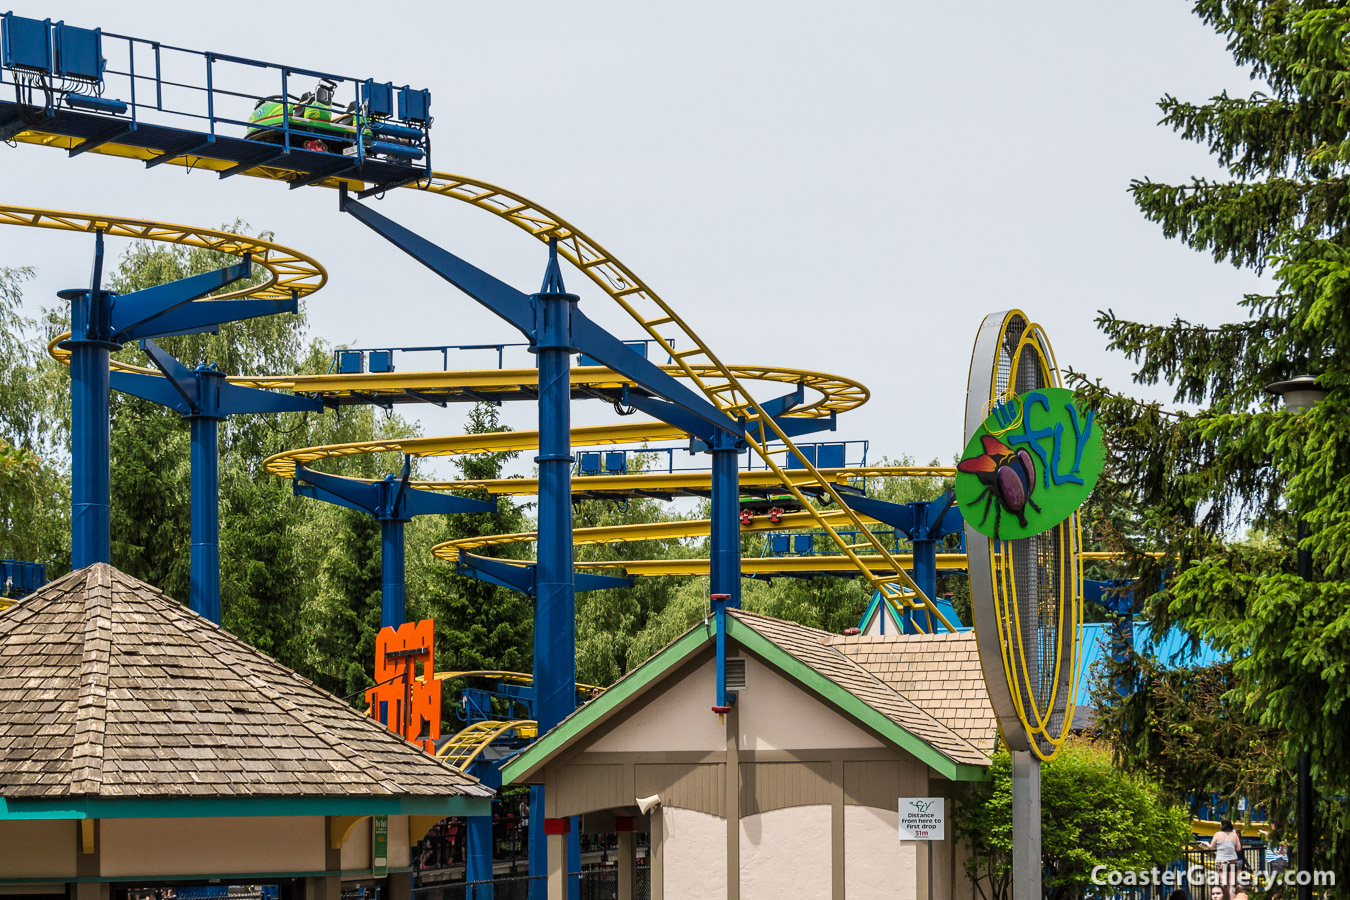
1227, 847
1277, 860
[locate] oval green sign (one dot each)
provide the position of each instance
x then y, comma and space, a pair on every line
1030, 465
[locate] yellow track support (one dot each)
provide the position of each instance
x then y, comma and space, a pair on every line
6, 603
466, 746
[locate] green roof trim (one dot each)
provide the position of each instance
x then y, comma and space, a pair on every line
827, 690
674, 654
15, 808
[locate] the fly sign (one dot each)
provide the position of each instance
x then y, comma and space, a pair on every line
922, 819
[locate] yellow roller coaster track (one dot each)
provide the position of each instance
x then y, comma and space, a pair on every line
502, 675
620, 534
466, 746
652, 314
686, 482
686, 528
290, 273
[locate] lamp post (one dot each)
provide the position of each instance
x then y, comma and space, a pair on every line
1300, 394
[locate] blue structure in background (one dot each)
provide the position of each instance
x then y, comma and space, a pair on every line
393, 504
1101, 641
205, 399
19, 578
925, 524
99, 326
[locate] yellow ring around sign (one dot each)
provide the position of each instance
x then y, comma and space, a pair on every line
1014, 656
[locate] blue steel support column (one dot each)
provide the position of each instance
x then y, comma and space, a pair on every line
925, 576
204, 429
725, 563
204, 588
96, 328
555, 656
555, 663
478, 857
538, 849
89, 344
205, 399
90, 436
392, 503
393, 607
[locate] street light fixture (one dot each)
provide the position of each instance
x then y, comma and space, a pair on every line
1300, 394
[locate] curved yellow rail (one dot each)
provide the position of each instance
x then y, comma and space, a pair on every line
828, 393
676, 482
501, 675
465, 746
662, 323
283, 464
642, 531
289, 272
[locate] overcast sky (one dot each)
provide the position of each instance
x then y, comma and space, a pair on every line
849, 187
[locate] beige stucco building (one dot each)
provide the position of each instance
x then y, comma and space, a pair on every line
795, 792
143, 746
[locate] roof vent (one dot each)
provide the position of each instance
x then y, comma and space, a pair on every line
736, 673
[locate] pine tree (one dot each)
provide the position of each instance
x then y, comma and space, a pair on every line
1190, 479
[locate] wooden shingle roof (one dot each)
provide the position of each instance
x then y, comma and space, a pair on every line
818, 650
939, 672
110, 689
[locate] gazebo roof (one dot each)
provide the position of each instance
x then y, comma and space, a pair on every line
117, 700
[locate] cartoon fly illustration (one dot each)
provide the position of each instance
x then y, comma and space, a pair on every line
1008, 476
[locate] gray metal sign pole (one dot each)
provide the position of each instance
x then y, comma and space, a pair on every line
1026, 816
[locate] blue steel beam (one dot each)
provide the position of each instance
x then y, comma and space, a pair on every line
207, 316
526, 314
204, 398
924, 524
498, 296
136, 311
521, 578
780, 406
100, 322
392, 503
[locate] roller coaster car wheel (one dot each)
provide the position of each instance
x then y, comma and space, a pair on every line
775, 514
747, 517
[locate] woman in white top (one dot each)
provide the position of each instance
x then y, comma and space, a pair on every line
1227, 847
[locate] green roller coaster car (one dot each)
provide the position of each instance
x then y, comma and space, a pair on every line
315, 124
